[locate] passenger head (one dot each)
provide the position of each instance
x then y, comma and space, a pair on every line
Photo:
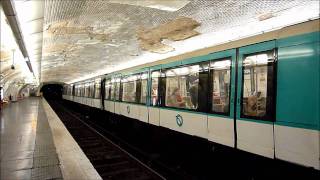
176, 92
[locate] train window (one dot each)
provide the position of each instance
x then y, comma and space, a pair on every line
79, 90
108, 86
86, 90
220, 78
257, 90
117, 89
182, 87
144, 88
76, 90
81, 87
70, 90
91, 88
97, 89
129, 88
155, 75
81, 93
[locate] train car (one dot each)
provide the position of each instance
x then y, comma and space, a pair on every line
259, 94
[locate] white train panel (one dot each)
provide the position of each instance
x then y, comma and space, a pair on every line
189, 123
143, 113
154, 116
109, 106
129, 110
255, 137
88, 101
84, 100
221, 130
298, 145
117, 107
96, 103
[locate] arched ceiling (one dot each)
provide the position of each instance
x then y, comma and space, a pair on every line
84, 38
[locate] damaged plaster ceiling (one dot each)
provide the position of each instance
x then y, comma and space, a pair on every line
85, 38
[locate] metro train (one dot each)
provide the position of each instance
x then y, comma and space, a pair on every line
258, 94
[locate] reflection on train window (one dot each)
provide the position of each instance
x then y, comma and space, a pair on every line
256, 71
97, 89
154, 87
129, 87
182, 87
108, 90
220, 71
144, 88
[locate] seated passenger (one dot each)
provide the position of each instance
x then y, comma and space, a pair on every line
175, 99
194, 95
251, 108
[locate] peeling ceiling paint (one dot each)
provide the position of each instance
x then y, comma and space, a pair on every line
85, 38
175, 30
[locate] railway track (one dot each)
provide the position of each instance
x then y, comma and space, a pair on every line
171, 161
110, 160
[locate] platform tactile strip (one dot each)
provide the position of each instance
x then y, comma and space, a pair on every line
49, 172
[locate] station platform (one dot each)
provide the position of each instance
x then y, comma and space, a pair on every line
36, 145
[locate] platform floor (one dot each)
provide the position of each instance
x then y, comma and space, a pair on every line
27, 147
36, 145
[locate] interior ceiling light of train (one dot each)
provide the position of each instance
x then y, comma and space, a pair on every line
14, 71
83, 39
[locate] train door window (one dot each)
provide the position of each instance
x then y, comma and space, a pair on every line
108, 86
97, 89
220, 79
117, 89
113, 89
72, 89
155, 75
129, 88
144, 88
258, 85
182, 87
64, 90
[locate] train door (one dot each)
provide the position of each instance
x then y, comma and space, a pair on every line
221, 122
255, 104
153, 109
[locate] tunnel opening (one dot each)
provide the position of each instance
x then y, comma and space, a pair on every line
52, 91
